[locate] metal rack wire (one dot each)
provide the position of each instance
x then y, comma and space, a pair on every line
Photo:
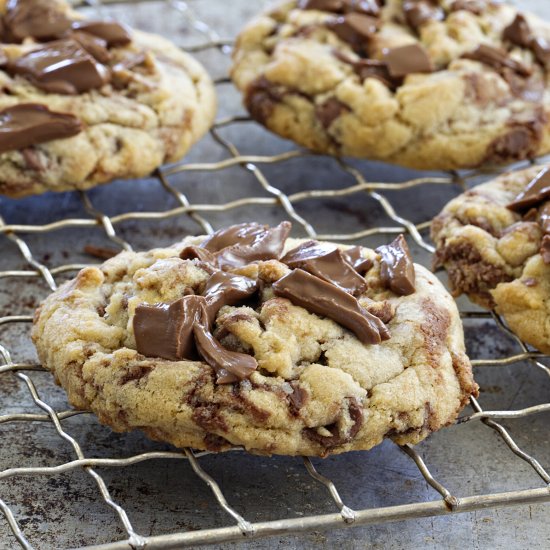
269, 196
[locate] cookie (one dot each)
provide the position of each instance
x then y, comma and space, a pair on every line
249, 338
83, 102
425, 84
494, 241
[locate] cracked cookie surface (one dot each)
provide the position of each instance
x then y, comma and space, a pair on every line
425, 84
317, 388
134, 103
498, 256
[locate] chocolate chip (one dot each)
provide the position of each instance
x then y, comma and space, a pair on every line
261, 98
407, 60
545, 249
368, 7
541, 49
32, 159
191, 252
39, 19
518, 32
62, 66
96, 47
530, 282
114, 34
29, 124
355, 257
536, 191
298, 398
355, 29
322, 298
497, 58
420, 12
328, 111
476, 7
396, 267
519, 143
328, 263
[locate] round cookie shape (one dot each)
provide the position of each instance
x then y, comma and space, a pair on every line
249, 338
494, 242
427, 84
84, 102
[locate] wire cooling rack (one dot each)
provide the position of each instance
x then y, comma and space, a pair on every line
271, 196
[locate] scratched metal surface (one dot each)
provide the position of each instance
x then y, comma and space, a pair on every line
165, 496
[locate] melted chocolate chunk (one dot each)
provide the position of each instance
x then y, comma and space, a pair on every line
420, 12
521, 141
226, 289
545, 249
407, 60
322, 298
261, 98
368, 7
230, 366
62, 67
537, 191
337, 437
328, 111
518, 32
39, 19
357, 260
396, 267
476, 7
355, 29
543, 217
497, 58
114, 34
192, 252
166, 330
328, 263
297, 399
541, 49
29, 124
96, 47
244, 243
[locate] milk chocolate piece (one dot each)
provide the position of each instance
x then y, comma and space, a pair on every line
396, 267
369, 68
474, 6
407, 60
226, 289
367, 7
328, 111
166, 330
322, 298
355, 29
328, 263
541, 49
497, 58
544, 217
545, 249
29, 124
355, 258
62, 67
518, 32
39, 19
244, 243
95, 46
537, 191
261, 98
113, 33
230, 366
420, 12
192, 252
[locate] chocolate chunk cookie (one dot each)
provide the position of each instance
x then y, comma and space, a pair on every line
429, 84
249, 338
83, 102
494, 242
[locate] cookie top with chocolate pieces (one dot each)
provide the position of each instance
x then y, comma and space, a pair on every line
249, 338
83, 102
428, 84
494, 241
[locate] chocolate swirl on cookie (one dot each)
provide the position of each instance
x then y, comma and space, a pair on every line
322, 279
